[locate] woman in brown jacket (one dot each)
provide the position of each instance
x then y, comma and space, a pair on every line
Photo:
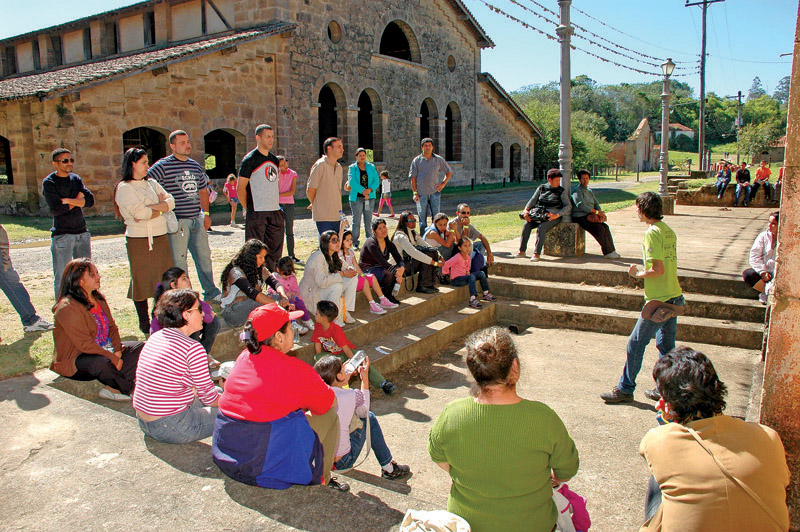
87, 342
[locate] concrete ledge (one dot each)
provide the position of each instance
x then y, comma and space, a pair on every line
567, 239
707, 196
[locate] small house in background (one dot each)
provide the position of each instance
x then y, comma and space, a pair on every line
675, 130
637, 152
776, 152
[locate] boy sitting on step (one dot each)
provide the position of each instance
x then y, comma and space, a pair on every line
350, 402
329, 339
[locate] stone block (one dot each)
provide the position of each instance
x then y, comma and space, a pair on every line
668, 204
565, 240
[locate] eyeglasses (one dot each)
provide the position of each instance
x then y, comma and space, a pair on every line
65, 161
334, 239
194, 309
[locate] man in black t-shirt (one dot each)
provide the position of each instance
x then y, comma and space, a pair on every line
742, 183
258, 193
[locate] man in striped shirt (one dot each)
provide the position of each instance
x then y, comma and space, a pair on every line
186, 180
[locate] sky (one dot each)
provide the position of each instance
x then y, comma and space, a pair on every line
744, 38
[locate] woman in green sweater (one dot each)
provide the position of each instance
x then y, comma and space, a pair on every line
501, 450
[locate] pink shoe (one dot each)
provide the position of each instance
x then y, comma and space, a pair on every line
391, 216
385, 303
375, 308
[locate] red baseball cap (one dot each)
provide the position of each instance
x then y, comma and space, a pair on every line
269, 319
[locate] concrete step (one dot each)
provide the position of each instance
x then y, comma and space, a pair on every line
625, 298
616, 321
615, 276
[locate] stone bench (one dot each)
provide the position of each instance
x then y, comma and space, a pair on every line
707, 196
567, 239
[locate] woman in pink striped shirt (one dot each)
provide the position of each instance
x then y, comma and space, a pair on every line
172, 378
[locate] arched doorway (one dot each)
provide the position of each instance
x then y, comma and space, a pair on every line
6, 173
496, 155
452, 132
427, 124
221, 153
331, 99
515, 163
152, 140
370, 124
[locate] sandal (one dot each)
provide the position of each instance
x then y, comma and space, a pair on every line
338, 486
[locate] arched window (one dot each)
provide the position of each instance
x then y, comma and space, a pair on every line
6, 173
152, 140
452, 132
497, 155
398, 40
331, 99
370, 124
515, 162
427, 125
221, 152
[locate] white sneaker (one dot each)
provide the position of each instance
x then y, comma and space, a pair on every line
763, 298
39, 325
535, 258
105, 393
612, 255
299, 329
349, 319
216, 299
233, 224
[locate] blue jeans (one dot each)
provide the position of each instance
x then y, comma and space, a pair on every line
428, 205
329, 226
191, 237
642, 333
194, 423
357, 440
361, 208
65, 248
470, 280
721, 186
17, 295
739, 188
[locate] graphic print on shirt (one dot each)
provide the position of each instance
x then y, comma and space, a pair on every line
188, 183
264, 187
329, 344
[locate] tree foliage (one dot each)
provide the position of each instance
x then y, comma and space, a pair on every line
756, 138
781, 93
756, 90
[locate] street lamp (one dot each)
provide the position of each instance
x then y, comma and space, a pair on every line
667, 67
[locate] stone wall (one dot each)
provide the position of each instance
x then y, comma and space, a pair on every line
234, 91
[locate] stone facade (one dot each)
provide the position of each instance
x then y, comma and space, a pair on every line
325, 75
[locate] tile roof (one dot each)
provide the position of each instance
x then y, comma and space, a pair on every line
680, 127
41, 84
485, 77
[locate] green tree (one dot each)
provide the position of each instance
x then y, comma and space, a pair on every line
761, 110
756, 90
756, 138
781, 93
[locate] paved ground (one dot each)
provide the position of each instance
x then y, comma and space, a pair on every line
75, 463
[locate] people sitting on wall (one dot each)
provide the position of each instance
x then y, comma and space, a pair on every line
423, 258
742, 185
277, 424
761, 273
723, 179
86, 338
762, 180
710, 471
549, 203
175, 398
587, 213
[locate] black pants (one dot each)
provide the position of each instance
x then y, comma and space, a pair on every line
288, 215
91, 367
266, 226
600, 232
767, 191
427, 272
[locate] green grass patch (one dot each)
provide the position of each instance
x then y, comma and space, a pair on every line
24, 229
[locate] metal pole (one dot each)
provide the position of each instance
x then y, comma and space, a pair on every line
738, 124
701, 135
664, 158
564, 31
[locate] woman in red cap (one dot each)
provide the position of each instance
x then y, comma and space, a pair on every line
277, 423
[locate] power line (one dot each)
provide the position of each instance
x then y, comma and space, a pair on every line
751, 60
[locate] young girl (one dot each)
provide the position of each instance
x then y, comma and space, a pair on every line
458, 268
386, 194
348, 257
233, 197
285, 276
176, 278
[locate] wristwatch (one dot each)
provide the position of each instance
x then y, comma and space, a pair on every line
207, 213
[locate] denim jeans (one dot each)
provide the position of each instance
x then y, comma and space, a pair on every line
361, 208
721, 186
652, 500
642, 333
426, 205
739, 188
191, 237
65, 248
470, 280
194, 423
17, 295
357, 440
329, 226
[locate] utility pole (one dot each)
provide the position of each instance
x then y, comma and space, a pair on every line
738, 124
564, 31
701, 134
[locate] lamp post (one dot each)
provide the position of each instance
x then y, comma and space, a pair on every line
667, 67
564, 31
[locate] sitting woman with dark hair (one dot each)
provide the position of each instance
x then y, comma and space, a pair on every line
375, 259
549, 203
761, 272
424, 258
502, 451
173, 375
324, 276
277, 424
716, 473
243, 281
86, 338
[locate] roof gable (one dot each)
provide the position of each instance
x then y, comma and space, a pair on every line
485, 77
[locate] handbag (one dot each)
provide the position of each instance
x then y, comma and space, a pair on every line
169, 216
597, 218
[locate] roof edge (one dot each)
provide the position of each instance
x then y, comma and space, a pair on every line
485, 77
484, 41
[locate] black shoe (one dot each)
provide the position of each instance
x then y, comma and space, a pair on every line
435, 289
338, 486
616, 396
393, 299
388, 388
653, 395
398, 472
744, 203
425, 290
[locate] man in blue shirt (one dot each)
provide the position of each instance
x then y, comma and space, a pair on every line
425, 184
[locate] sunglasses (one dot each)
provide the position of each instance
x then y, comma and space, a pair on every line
465, 213
65, 161
334, 239
411, 221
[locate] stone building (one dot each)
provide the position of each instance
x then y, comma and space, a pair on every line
381, 76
